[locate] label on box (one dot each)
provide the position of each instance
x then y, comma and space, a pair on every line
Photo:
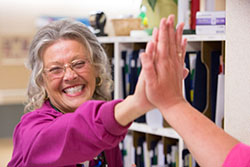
211, 18
211, 21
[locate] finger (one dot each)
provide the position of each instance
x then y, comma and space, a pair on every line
179, 32
184, 46
185, 72
150, 49
148, 67
163, 43
155, 35
155, 38
171, 34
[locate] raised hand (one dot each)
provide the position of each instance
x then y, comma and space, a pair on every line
163, 65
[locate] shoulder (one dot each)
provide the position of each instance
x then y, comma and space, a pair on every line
238, 156
44, 114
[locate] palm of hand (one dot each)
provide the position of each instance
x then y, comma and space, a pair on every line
163, 67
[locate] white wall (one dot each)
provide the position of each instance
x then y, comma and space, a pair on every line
18, 16
237, 82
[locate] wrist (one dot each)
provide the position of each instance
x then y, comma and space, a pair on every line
174, 103
128, 110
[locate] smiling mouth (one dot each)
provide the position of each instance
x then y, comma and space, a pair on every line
74, 90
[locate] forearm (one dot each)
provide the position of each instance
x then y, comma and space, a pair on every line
203, 138
128, 110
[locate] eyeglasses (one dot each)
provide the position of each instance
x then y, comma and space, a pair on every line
57, 71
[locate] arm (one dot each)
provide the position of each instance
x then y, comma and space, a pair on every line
133, 106
163, 68
202, 136
48, 138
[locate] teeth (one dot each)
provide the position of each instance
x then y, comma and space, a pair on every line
73, 90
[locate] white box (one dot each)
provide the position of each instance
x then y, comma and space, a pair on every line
210, 29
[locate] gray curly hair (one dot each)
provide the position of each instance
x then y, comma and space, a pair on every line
65, 29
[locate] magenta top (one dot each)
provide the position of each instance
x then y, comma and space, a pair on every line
239, 156
46, 137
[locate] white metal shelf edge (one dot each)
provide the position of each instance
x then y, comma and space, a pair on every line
166, 132
190, 38
123, 39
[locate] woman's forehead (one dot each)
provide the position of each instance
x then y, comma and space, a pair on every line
63, 50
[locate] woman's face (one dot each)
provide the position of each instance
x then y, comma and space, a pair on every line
69, 77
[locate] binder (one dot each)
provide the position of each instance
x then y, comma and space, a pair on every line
134, 67
146, 155
195, 7
128, 151
185, 154
112, 74
220, 101
124, 69
133, 71
187, 80
183, 13
139, 151
214, 72
200, 88
160, 154
196, 81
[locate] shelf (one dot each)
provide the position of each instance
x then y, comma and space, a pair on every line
199, 38
123, 39
190, 38
165, 132
12, 96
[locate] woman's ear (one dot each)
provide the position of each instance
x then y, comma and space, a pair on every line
99, 81
46, 97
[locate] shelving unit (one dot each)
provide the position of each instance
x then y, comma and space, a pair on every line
195, 42
123, 42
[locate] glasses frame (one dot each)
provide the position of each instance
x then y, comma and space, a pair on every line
78, 66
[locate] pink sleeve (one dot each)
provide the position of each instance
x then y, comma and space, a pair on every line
239, 156
46, 139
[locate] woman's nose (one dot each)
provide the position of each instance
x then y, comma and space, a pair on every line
69, 73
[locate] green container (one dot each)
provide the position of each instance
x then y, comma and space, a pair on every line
162, 8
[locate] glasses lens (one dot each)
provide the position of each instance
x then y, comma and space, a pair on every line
55, 72
78, 65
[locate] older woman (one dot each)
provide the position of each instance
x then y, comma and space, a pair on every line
72, 122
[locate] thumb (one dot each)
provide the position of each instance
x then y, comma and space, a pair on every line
185, 72
148, 68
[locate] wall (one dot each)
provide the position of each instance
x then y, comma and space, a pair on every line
20, 15
18, 22
237, 87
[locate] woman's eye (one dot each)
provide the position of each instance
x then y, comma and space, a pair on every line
55, 70
79, 64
